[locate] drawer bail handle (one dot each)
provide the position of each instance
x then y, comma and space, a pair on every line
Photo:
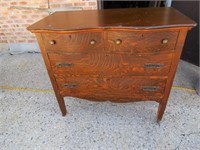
153, 65
64, 64
118, 42
164, 41
70, 85
150, 88
92, 42
52, 42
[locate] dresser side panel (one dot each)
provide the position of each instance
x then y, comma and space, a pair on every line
50, 73
175, 60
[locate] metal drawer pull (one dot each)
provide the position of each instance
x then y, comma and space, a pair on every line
64, 64
52, 42
150, 88
153, 65
164, 41
118, 42
92, 42
70, 85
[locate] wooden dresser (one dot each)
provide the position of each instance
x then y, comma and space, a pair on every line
119, 55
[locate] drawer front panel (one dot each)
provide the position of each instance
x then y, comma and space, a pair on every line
141, 42
136, 88
74, 42
111, 64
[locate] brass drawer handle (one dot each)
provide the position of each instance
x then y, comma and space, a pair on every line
92, 42
150, 88
64, 64
70, 85
164, 41
52, 42
118, 42
153, 65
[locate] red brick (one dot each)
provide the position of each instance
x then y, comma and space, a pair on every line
10, 41
35, 16
13, 37
92, 3
3, 41
23, 3
9, 21
3, 18
13, 17
14, 25
24, 16
10, 9
25, 25
5, 26
79, 4
67, 5
4, 37
58, 1
55, 5
32, 37
5, 13
37, 12
21, 41
3, 4
18, 21
13, 22
32, 41
30, 21
13, 3
27, 11
19, 33
43, 16
43, 6
8, 34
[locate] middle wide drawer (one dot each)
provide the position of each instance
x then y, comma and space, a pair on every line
111, 64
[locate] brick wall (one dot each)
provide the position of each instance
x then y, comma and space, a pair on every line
14, 18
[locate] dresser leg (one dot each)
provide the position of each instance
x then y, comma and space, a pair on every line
61, 104
161, 110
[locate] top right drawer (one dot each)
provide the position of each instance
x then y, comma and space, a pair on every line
141, 42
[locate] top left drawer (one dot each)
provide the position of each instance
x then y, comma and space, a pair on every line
74, 42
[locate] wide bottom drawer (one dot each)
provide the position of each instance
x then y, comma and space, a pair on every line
105, 88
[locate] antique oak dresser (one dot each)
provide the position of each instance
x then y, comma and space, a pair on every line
118, 55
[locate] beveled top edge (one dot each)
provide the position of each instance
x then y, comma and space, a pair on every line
131, 18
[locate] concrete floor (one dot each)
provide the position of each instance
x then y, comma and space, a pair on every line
32, 120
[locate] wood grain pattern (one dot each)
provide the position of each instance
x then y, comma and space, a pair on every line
110, 64
91, 65
176, 57
59, 97
132, 18
141, 42
112, 88
74, 42
131, 42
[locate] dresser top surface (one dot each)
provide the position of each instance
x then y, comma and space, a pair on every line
131, 18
